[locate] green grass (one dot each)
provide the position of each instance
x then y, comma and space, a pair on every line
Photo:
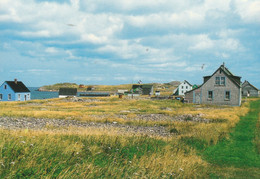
238, 156
239, 150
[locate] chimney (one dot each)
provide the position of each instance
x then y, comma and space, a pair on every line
223, 64
15, 81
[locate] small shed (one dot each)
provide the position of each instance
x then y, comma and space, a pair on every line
67, 92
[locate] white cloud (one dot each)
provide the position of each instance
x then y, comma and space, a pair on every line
249, 10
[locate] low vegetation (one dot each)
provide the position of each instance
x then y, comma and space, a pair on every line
189, 151
165, 89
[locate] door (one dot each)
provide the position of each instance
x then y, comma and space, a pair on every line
197, 98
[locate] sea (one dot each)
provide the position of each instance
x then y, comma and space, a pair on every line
35, 94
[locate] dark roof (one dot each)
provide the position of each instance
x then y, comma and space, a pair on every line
68, 91
187, 82
233, 78
18, 86
247, 82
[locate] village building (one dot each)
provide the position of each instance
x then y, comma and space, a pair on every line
182, 88
14, 91
221, 88
67, 92
248, 90
143, 89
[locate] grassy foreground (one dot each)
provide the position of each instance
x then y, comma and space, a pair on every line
102, 153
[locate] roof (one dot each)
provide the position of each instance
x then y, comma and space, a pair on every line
233, 78
247, 82
17, 86
68, 91
187, 82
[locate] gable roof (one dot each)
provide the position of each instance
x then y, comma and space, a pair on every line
233, 78
68, 91
247, 82
187, 82
17, 86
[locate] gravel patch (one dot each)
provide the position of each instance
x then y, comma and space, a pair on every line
41, 124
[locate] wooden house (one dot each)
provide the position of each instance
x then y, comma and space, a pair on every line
14, 91
249, 90
144, 89
182, 88
67, 92
221, 88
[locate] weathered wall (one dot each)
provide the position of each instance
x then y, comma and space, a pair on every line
220, 90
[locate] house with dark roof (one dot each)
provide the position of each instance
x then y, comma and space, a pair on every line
67, 92
14, 91
221, 88
182, 88
249, 90
144, 89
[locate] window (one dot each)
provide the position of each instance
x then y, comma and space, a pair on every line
186, 87
19, 97
182, 87
9, 96
227, 95
210, 95
1, 96
5, 86
217, 82
28, 96
223, 81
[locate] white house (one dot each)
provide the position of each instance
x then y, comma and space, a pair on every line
182, 88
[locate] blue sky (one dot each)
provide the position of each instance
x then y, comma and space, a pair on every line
118, 42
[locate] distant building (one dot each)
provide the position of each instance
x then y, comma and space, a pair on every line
249, 90
67, 92
14, 91
144, 89
221, 88
182, 88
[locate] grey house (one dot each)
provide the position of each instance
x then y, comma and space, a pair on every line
249, 90
221, 88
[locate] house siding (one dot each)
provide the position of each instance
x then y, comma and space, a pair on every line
219, 91
248, 90
24, 96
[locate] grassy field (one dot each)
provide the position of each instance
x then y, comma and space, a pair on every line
193, 150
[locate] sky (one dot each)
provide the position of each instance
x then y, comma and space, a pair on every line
114, 42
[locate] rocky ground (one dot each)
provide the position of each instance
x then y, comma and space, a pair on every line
62, 124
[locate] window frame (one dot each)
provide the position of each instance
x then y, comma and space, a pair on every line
210, 96
217, 80
229, 95
9, 97
222, 81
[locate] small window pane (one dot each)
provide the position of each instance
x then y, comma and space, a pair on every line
223, 81
217, 82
